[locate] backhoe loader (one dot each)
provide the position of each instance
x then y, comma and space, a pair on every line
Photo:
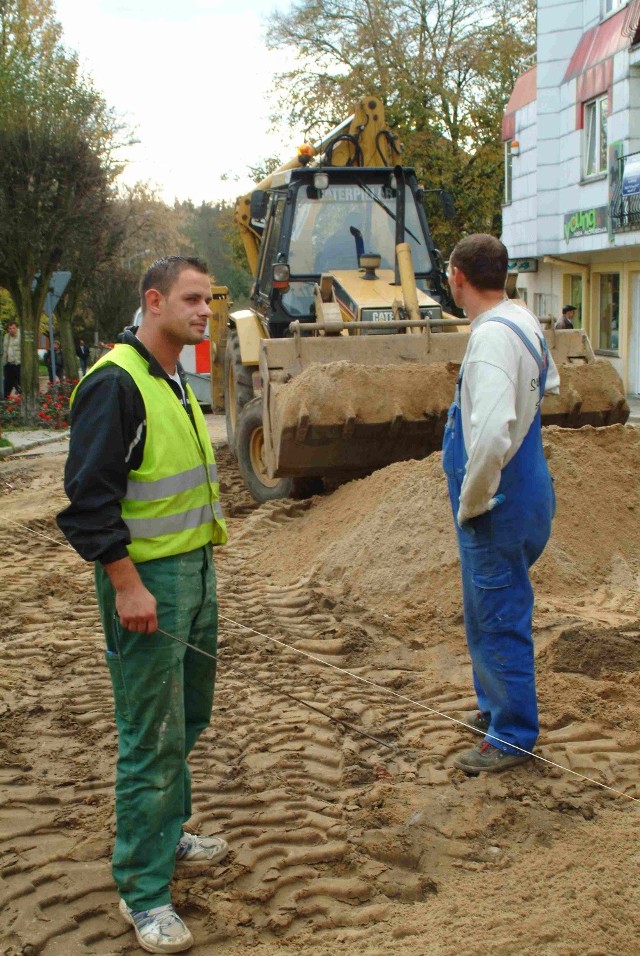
347, 360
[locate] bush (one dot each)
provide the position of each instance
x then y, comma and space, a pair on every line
53, 408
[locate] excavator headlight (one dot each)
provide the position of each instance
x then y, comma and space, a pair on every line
281, 275
321, 181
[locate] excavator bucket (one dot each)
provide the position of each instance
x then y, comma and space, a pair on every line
346, 404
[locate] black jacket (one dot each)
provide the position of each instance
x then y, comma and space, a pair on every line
108, 431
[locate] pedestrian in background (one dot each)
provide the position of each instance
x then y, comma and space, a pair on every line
82, 352
143, 488
11, 359
502, 497
566, 320
55, 374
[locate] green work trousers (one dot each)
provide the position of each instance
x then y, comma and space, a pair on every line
163, 694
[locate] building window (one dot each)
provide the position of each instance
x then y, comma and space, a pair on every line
508, 172
595, 136
608, 6
543, 305
609, 311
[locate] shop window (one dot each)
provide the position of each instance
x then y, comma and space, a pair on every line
609, 311
595, 136
508, 172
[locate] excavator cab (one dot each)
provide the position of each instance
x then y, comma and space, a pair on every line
319, 221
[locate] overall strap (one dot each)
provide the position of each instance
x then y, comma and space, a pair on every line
542, 361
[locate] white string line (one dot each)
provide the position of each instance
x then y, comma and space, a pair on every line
386, 690
431, 710
61, 544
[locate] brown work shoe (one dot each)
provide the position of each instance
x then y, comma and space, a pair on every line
488, 758
478, 720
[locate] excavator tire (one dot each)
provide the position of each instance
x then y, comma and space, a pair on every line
238, 387
249, 439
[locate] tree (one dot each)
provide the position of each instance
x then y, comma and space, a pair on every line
444, 69
57, 167
209, 232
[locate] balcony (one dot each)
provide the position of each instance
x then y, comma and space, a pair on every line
624, 210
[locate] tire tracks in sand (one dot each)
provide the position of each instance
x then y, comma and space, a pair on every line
333, 837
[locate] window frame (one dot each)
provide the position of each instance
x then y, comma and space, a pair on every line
609, 7
613, 347
594, 107
508, 173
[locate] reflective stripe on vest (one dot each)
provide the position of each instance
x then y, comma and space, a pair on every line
173, 485
171, 503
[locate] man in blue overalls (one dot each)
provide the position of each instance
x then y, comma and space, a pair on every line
502, 497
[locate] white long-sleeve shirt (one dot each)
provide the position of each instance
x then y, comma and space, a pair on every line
499, 399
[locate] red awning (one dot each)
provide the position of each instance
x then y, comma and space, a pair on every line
597, 44
524, 92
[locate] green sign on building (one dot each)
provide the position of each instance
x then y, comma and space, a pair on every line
585, 222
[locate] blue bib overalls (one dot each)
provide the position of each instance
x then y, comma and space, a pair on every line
496, 551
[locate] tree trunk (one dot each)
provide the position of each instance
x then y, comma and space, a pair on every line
69, 357
29, 365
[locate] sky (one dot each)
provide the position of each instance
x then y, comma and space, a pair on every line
191, 78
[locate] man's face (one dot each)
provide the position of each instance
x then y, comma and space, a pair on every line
184, 312
12, 328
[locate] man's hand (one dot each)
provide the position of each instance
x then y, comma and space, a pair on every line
136, 606
136, 609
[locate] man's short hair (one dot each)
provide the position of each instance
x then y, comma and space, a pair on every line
163, 273
483, 259
568, 308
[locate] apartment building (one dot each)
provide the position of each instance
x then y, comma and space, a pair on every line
571, 215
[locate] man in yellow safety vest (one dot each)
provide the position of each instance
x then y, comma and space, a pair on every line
144, 506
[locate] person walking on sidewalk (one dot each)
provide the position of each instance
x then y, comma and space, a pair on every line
11, 359
83, 354
501, 495
144, 506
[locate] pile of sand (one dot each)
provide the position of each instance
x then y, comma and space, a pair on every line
593, 390
390, 536
332, 393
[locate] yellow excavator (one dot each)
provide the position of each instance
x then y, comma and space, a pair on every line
347, 359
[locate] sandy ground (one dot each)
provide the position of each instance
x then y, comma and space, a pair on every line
340, 843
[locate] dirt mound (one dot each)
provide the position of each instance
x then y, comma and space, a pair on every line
597, 652
390, 537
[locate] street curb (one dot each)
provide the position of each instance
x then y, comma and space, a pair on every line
7, 450
35, 443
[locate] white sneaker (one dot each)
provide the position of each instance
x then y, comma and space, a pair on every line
197, 849
159, 930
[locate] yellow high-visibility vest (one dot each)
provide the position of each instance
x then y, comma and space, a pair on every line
172, 500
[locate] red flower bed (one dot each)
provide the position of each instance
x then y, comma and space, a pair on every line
52, 405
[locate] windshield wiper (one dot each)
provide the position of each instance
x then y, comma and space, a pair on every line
370, 192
